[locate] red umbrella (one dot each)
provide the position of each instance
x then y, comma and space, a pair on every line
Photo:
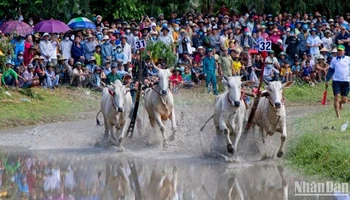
51, 26
19, 27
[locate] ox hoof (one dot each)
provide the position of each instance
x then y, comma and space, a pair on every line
165, 144
172, 137
120, 149
230, 149
120, 140
162, 129
279, 154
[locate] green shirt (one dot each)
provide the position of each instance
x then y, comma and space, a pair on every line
8, 72
226, 65
112, 78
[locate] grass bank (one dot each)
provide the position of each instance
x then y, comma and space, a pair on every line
316, 148
307, 95
27, 107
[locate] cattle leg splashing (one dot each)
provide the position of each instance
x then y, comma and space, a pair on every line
116, 104
159, 104
270, 115
230, 111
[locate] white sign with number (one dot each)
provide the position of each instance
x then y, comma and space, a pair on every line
141, 44
265, 46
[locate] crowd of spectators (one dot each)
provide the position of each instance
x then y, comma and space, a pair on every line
302, 48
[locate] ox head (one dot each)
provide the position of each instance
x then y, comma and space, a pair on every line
275, 90
164, 75
235, 85
118, 93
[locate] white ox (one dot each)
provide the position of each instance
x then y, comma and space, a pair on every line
159, 103
230, 111
270, 115
116, 104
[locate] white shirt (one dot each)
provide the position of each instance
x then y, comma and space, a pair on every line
327, 43
66, 48
223, 38
341, 68
46, 49
313, 40
168, 39
127, 52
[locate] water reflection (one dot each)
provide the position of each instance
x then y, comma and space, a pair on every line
30, 177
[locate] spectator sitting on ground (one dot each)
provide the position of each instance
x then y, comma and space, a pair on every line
91, 65
78, 75
197, 73
51, 78
175, 79
307, 73
187, 78
9, 76
286, 72
96, 81
270, 73
296, 68
18, 62
282, 58
322, 68
152, 71
62, 69
28, 79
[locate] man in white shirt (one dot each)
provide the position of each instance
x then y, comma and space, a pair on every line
46, 48
339, 71
126, 49
271, 72
66, 47
166, 38
314, 42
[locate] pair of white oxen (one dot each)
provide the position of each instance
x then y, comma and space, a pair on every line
229, 114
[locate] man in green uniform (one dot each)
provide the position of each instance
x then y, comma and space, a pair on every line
225, 63
113, 76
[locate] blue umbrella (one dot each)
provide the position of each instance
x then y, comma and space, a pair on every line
81, 23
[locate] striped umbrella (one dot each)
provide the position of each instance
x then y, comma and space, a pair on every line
81, 23
19, 27
51, 26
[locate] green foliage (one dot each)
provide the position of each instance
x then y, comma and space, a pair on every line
318, 151
159, 49
5, 47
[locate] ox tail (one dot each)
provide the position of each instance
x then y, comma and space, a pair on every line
206, 122
98, 123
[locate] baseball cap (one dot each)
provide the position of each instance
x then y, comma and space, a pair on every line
341, 47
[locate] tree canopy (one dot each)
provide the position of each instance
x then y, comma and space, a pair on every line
134, 9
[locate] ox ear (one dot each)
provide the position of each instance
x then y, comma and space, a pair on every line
224, 80
287, 84
118, 83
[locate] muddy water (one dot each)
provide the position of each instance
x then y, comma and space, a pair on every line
51, 176
62, 161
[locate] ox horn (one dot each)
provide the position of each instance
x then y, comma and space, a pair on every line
225, 77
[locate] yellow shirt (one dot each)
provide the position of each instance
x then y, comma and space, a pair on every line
98, 59
175, 36
285, 71
236, 67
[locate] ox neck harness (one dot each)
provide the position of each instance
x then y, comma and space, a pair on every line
267, 95
242, 98
158, 92
112, 93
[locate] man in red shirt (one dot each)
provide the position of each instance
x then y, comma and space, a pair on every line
29, 55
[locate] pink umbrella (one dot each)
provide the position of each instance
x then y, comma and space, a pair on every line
19, 27
51, 26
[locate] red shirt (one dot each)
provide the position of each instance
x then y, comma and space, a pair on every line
27, 57
176, 79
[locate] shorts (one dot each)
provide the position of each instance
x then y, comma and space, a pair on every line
340, 87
